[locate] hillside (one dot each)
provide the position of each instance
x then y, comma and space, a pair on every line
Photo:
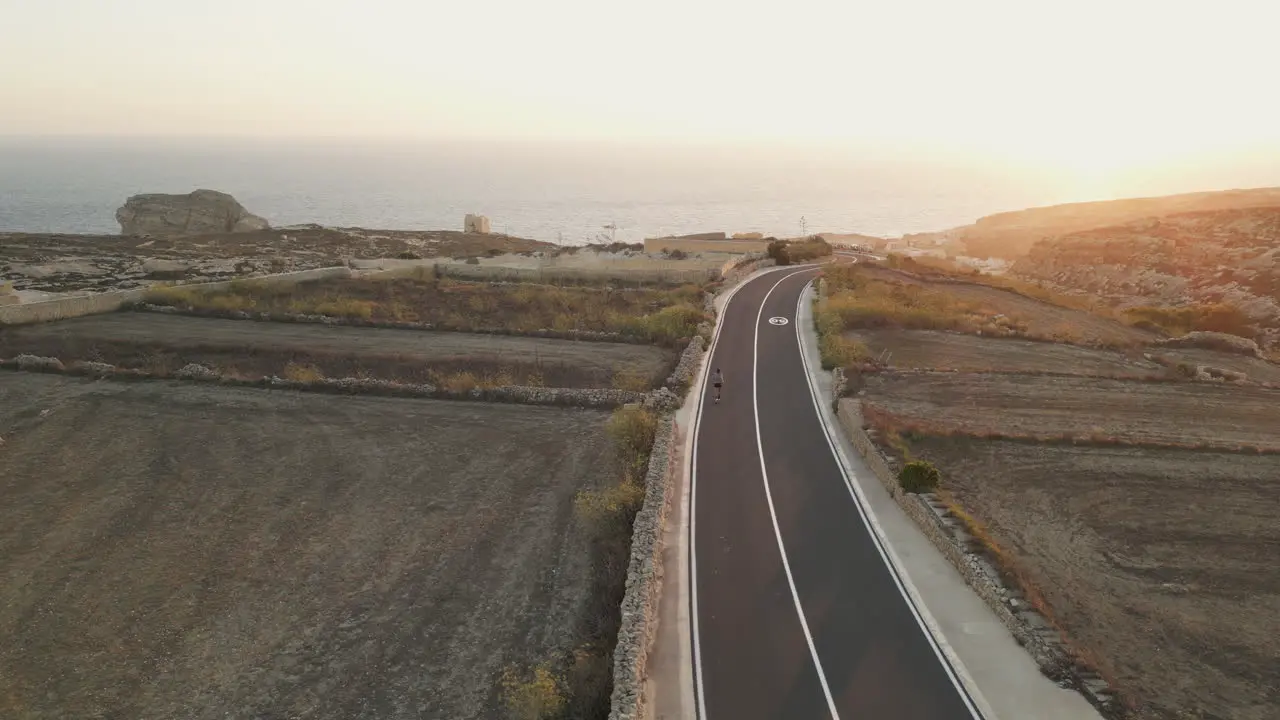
1012, 234
1210, 257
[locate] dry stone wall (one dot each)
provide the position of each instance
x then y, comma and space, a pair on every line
644, 579
106, 302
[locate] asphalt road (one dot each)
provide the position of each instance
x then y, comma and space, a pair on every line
796, 613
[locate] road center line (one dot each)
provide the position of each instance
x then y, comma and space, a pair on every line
773, 515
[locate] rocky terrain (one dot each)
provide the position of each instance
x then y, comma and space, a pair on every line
1209, 257
1011, 234
38, 263
207, 235
200, 212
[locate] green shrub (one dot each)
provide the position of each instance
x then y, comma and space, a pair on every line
838, 351
673, 323
302, 373
601, 509
777, 250
918, 476
1217, 317
538, 696
810, 249
632, 430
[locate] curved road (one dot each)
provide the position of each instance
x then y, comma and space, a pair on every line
796, 612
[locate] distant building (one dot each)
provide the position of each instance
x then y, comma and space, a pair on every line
715, 242
476, 224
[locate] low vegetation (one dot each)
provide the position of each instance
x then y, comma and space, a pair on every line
662, 316
836, 350
1175, 321
945, 268
583, 690
918, 476
860, 301
868, 297
536, 695
809, 249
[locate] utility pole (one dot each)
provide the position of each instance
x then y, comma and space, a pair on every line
803, 225
613, 231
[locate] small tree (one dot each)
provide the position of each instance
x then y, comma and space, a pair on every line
778, 251
918, 476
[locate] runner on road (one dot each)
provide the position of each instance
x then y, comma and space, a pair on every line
717, 379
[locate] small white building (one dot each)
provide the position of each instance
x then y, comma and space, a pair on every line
476, 224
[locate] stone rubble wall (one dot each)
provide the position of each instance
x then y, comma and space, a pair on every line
644, 579
653, 272
743, 268
600, 398
687, 365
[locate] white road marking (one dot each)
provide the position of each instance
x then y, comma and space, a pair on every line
773, 515
777, 321
693, 487
693, 501
950, 662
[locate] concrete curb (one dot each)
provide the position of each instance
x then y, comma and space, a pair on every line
1031, 630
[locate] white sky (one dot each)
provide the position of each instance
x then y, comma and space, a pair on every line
1089, 85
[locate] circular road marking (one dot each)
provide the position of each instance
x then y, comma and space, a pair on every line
777, 321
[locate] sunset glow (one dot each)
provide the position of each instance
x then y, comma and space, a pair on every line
1089, 87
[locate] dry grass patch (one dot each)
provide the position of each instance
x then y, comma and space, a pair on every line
302, 373
871, 296
656, 315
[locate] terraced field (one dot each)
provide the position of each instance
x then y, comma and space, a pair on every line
178, 550
164, 343
1159, 562
1185, 414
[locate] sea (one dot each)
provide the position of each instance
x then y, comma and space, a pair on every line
559, 191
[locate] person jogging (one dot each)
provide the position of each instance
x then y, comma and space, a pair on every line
717, 379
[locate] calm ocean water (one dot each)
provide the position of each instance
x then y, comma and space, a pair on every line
543, 191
